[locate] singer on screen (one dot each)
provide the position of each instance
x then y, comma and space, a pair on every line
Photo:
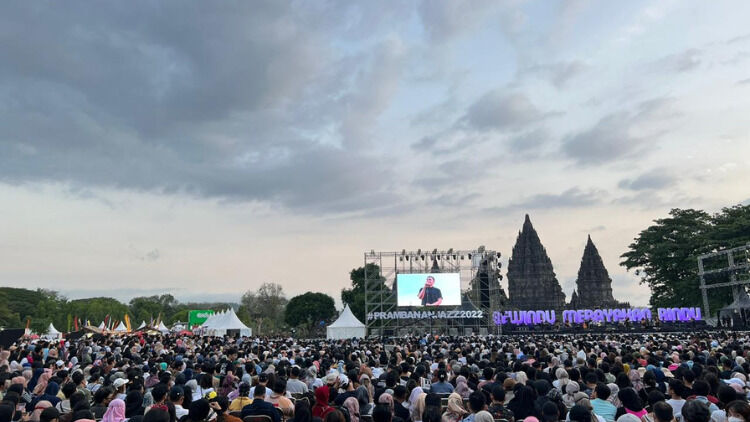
430, 295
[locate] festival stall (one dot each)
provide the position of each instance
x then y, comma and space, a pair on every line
121, 328
225, 323
52, 332
346, 326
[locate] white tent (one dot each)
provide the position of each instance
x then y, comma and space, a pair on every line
221, 323
162, 328
346, 326
142, 326
102, 326
52, 332
121, 328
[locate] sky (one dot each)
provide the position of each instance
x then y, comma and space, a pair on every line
204, 148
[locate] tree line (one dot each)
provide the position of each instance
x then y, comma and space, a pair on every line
267, 310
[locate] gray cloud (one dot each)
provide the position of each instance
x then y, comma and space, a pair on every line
683, 61
618, 135
572, 198
245, 102
658, 178
445, 20
559, 74
498, 110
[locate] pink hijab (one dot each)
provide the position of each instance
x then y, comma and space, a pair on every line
38, 409
41, 385
352, 405
115, 412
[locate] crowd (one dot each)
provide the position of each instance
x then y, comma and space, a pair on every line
659, 377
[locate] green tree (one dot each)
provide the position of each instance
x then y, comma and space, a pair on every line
665, 255
355, 296
263, 308
308, 309
95, 309
145, 308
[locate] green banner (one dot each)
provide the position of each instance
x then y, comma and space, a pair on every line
198, 317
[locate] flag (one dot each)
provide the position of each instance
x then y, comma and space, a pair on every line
75, 323
127, 323
106, 322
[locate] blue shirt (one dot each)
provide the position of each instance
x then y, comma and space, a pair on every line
604, 409
441, 387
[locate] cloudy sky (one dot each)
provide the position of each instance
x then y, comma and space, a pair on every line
204, 148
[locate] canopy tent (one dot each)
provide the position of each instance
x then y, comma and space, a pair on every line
738, 312
162, 328
52, 332
121, 328
346, 326
223, 323
102, 326
142, 326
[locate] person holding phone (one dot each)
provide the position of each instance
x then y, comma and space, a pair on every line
430, 295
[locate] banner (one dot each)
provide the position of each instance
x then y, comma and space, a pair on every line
425, 315
579, 316
198, 317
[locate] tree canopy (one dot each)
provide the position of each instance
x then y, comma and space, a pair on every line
355, 296
309, 309
665, 255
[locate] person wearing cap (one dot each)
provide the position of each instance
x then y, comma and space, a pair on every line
119, 385
177, 398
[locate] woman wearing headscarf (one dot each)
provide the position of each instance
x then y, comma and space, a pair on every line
635, 379
562, 379
364, 380
417, 406
352, 406
50, 394
386, 398
115, 411
38, 409
34, 378
483, 416
363, 397
41, 383
573, 394
462, 387
614, 389
455, 410
321, 409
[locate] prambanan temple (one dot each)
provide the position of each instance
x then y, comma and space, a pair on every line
532, 284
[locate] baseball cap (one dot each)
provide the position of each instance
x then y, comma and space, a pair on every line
119, 382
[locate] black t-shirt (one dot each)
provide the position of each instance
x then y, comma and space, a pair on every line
431, 295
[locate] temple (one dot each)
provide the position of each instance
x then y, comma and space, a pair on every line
532, 283
593, 286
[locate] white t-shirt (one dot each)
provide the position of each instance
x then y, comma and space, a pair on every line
676, 406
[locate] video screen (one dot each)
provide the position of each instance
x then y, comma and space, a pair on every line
440, 289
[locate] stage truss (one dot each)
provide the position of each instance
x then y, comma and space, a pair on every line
727, 268
380, 295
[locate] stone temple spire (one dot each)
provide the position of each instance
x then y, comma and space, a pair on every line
532, 284
593, 284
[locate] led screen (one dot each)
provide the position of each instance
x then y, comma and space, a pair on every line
440, 289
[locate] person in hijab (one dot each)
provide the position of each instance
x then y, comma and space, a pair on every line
321, 409
417, 405
363, 397
33, 378
352, 405
50, 393
562, 379
115, 411
387, 399
455, 410
41, 383
462, 387
38, 409
364, 380
614, 389
635, 379
572, 394
483, 416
